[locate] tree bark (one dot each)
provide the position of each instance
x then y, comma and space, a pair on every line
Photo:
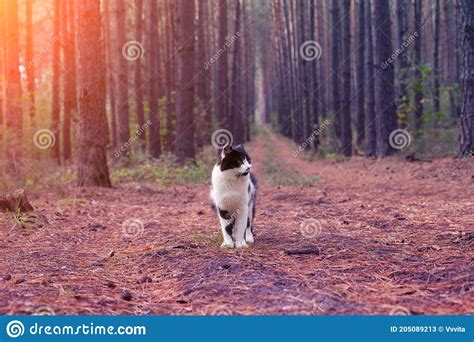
346, 129
404, 100
221, 70
384, 78
418, 82
138, 74
111, 56
361, 74
122, 83
55, 84
371, 134
236, 119
30, 65
13, 105
436, 67
185, 91
335, 66
153, 89
170, 78
467, 92
92, 137
70, 91
203, 133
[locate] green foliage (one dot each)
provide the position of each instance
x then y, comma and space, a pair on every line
163, 171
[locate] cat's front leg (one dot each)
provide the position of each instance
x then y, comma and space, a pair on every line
240, 227
227, 228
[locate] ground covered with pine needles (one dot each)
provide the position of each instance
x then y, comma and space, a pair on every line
356, 236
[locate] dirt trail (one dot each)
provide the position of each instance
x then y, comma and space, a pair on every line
393, 237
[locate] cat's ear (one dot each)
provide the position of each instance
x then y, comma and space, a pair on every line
227, 149
240, 147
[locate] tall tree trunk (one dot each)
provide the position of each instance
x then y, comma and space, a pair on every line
467, 92
56, 79
237, 121
291, 68
13, 106
249, 86
361, 74
111, 55
92, 137
371, 134
170, 77
335, 66
30, 65
70, 91
346, 129
384, 77
436, 68
451, 29
185, 91
138, 74
221, 70
315, 89
323, 91
418, 82
404, 100
153, 89
203, 133
122, 83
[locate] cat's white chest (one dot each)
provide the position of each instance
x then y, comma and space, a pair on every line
228, 191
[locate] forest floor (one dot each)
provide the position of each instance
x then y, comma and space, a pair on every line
383, 237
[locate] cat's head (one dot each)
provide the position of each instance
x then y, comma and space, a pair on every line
234, 160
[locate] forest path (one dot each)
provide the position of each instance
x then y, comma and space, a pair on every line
392, 227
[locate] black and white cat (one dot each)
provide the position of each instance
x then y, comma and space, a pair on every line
233, 192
